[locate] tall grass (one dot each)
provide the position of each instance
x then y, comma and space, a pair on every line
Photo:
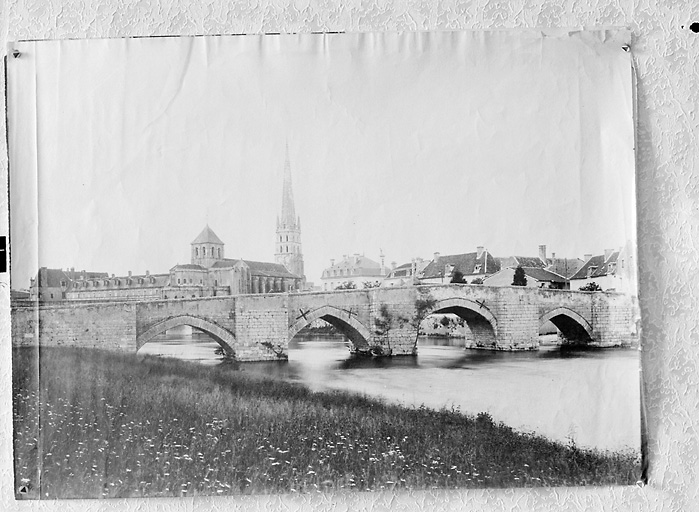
103, 424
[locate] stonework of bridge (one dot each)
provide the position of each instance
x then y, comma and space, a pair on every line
383, 321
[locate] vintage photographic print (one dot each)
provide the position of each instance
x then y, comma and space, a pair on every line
323, 263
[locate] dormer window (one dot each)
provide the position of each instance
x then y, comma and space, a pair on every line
140, 280
63, 284
477, 268
591, 270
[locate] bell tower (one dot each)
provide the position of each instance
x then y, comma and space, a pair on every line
207, 248
288, 238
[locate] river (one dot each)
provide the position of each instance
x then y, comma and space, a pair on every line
591, 397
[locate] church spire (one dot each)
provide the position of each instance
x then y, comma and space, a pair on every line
288, 217
288, 240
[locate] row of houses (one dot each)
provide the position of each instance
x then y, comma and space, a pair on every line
613, 270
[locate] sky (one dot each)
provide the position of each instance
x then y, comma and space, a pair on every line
122, 150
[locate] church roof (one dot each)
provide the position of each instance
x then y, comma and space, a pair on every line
207, 236
188, 266
258, 268
262, 268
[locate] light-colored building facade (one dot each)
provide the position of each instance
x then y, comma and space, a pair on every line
612, 271
356, 269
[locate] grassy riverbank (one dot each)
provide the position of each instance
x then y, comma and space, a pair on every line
120, 425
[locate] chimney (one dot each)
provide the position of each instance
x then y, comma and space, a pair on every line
542, 253
332, 262
147, 273
129, 273
607, 253
436, 257
587, 257
553, 255
82, 274
479, 251
356, 257
393, 265
112, 276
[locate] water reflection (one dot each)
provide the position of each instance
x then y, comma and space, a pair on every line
590, 396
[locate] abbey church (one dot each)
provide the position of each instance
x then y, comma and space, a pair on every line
209, 273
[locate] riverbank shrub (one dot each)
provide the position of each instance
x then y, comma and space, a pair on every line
102, 424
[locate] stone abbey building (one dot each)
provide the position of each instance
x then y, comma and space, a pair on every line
208, 274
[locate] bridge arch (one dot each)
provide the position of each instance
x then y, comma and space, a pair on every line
573, 327
343, 321
222, 336
478, 317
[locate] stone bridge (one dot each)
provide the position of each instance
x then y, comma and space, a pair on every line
383, 321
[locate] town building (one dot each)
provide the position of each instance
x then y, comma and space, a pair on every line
355, 271
612, 271
565, 267
537, 277
405, 274
208, 274
473, 265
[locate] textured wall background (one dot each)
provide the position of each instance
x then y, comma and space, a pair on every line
666, 56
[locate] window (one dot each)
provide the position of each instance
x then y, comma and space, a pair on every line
287, 238
287, 248
219, 253
477, 268
591, 270
190, 280
63, 283
196, 252
178, 282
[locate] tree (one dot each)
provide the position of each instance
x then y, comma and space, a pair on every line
347, 285
371, 284
457, 277
591, 287
520, 278
478, 280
